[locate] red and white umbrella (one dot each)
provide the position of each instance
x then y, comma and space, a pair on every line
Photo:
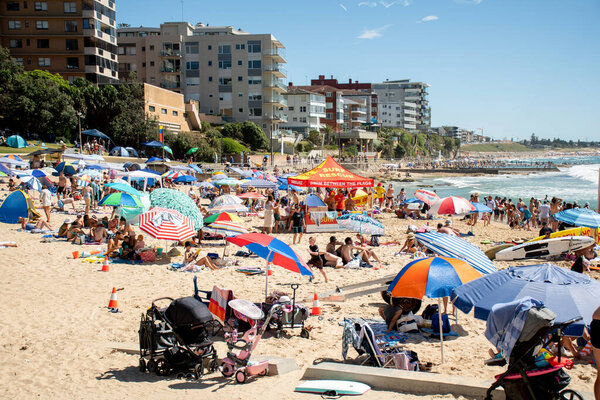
427, 196
452, 205
162, 223
251, 195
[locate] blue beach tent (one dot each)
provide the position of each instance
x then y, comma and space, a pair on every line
17, 204
16, 141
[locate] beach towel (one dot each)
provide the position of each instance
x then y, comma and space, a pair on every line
218, 302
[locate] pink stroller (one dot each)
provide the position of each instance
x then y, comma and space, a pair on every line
240, 364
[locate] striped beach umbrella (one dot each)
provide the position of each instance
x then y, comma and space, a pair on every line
579, 217
119, 199
224, 200
452, 205
228, 208
225, 228
452, 246
32, 182
66, 168
222, 217
361, 223
123, 187
251, 195
162, 223
178, 201
426, 196
227, 182
14, 157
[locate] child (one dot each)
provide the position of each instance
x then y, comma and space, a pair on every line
297, 218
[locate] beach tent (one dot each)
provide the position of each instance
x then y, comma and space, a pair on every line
119, 152
16, 141
132, 152
95, 133
17, 204
153, 143
330, 174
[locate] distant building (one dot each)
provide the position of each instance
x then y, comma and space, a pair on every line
304, 112
334, 104
170, 110
365, 88
403, 104
76, 39
229, 72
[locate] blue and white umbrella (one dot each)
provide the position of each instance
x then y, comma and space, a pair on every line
361, 223
32, 182
204, 184
579, 217
258, 183
452, 246
480, 208
413, 200
185, 179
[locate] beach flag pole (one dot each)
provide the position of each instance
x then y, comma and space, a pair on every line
440, 327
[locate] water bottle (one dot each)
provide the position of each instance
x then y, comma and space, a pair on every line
234, 336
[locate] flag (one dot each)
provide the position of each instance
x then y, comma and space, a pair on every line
160, 129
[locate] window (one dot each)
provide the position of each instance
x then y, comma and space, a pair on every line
240, 78
41, 24
175, 113
14, 24
151, 108
255, 112
192, 65
254, 46
192, 48
152, 63
225, 64
295, 119
254, 64
224, 81
143, 65
163, 110
291, 108
72, 63
240, 110
86, 24
43, 62
240, 94
254, 96
143, 48
70, 7
72, 44
302, 109
239, 62
240, 46
210, 78
43, 43
15, 44
224, 49
71, 26
40, 6
328, 94
255, 80
303, 120
12, 6
192, 81
328, 105
19, 60
209, 47
151, 47
328, 116
210, 95
210, 63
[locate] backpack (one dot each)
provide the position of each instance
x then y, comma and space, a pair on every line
429, 311
374, 241
435, 323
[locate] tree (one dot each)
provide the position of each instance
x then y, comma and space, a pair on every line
230, 146
314, 137
254, 136
328, 132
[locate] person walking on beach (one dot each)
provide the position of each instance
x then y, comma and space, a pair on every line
389, 196
268, 224
316, 258
46, 199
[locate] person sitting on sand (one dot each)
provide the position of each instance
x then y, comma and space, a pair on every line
190, 259
64, 228
446, 229
546, 231
40, 224
364, 253
97, 232
74, 231
410, 245
316, 257
331, 247
391, 314
139, 244
113, 243
61, 204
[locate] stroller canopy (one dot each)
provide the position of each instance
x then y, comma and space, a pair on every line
188, 311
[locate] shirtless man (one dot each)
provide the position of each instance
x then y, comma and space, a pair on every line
62, 185
447, 228
364, 253
98, 232
350, 204
389, 196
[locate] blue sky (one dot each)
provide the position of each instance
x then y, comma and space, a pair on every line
509, 67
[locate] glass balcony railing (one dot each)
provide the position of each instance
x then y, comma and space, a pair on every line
278, 99
275, 53
170, 53
275, 68
170, 85
169, 69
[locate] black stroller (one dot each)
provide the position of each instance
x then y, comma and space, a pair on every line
175, 339
523, 379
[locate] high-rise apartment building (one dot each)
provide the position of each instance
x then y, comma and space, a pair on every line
72, 38
403, 104
362, 87
231, 73
304, 112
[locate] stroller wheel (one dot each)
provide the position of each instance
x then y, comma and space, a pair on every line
240, 376
227, 369
213, 365
151, 365
263, 372
278, 334
304, 333
162, 368
569, 394
142, 365
199, 370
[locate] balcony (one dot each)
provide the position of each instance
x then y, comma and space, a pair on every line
170, 85
276, 84
359, 111
410, 119
276, 69
281, 118
277, 55
277, 100
170, 69
170, 53
412, 97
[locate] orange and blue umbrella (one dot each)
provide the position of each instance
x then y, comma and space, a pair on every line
433, 277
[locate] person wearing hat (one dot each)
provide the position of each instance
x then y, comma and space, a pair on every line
410, 244
190, 259
64, 228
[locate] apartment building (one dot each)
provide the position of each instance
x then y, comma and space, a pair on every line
361, 87
356, 109
76, 39
305, 110
229, 72
170, 110
334, 104
403, 104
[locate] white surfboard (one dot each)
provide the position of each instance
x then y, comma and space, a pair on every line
333, 388
545, 248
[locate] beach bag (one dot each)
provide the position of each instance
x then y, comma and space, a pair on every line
80, 239
435, 323
407, 324
148, 256
354, 263
374, 241
429, 311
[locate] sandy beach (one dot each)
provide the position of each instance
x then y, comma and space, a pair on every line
58, 334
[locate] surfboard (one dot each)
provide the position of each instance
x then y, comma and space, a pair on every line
581, 231
491, 252
334, 388
545, 248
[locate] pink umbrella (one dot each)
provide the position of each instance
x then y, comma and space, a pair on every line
251, 195
162, 223
452, 205
426, 196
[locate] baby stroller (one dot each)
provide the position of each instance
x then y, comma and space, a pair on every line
523, 379
240, 364
287, 314
175, 339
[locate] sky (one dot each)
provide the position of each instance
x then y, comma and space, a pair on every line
508, 67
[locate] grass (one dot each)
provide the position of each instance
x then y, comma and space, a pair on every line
28, 149
495, 147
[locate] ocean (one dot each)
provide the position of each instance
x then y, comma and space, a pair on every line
577, 182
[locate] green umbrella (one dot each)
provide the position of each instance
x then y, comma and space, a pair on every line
121, 187
191, 151
178, 201
121, 200
168, 149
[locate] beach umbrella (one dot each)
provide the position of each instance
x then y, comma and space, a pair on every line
66, 168
176, 200
427, 196
119, 199
204, 184
185, 179
579, 217
168, 149
222, 175
14, 157
361, 223
191, 151
452, 246
480, 208
568, 294
155, 159
225, 228
32, 182
258, 183
225, 199
10, 161
413, 200
227, 182
251, 195
83, 179
162, 223
228, 208
123, 187
433, 277
222, 217
452, 205
312, 200
2, 174
274, 251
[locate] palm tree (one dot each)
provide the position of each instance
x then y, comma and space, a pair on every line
327, 131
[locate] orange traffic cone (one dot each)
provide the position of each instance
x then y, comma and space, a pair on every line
113, 303
105, 267
316, 308
269, 272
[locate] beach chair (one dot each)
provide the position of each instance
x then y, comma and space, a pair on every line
383, 353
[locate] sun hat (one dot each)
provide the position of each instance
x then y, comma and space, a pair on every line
411, 229
411, 236
68, 221
284, 299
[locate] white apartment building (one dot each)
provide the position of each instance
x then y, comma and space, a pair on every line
304, 112
403, 104
231, 73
